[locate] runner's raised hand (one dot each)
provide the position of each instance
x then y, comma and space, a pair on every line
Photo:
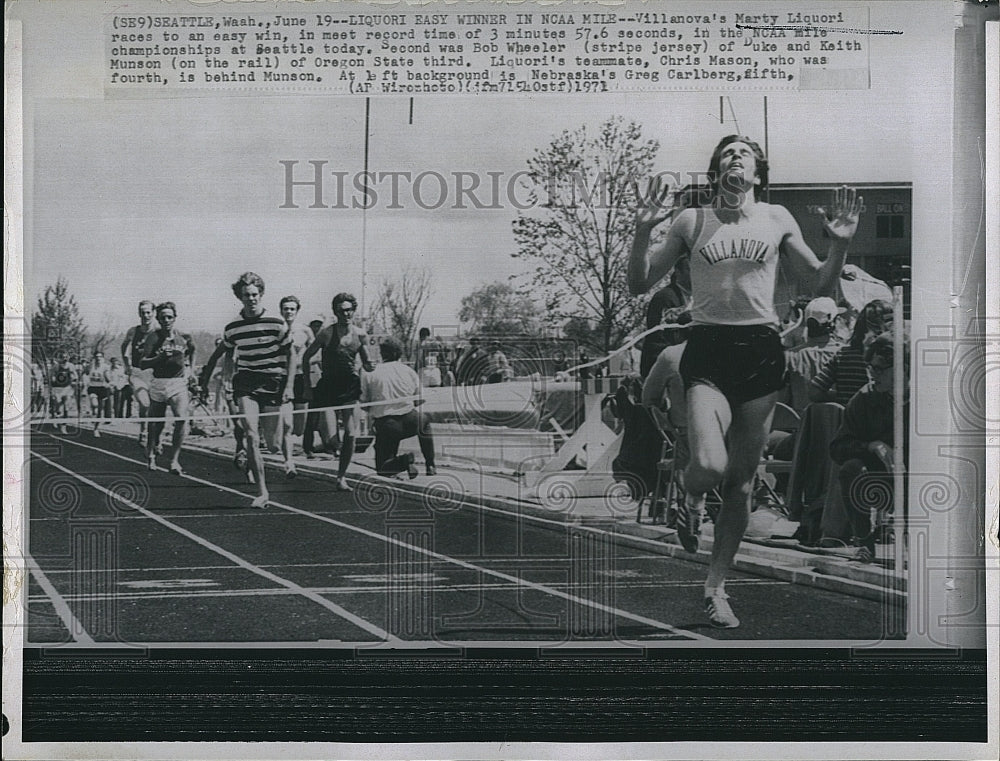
840, 218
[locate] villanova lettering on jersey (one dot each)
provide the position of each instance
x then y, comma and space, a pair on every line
747, 248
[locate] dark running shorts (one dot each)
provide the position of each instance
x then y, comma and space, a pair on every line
101, 392
744, 362
341, 390
264, 388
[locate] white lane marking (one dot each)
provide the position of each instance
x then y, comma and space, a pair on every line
422, 551
319, 599
341, 590
168, 583
71, 622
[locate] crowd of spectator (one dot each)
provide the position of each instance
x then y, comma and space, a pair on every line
837, 412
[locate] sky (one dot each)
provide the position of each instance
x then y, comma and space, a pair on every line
171, 199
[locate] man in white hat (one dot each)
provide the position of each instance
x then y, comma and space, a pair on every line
807, 359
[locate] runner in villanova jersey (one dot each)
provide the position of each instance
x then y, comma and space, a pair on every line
264, 365
733, 365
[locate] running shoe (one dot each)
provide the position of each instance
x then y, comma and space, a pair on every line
431, 470
290, 471
689, 517
240, 459
719, 612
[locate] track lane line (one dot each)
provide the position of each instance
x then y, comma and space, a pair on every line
677, 631
62, 609
245, 564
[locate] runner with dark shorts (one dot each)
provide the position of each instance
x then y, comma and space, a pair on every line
733, 365
340, 385
318, 421
132, 348
264, 365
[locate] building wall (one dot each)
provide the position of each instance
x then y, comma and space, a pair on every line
882, 245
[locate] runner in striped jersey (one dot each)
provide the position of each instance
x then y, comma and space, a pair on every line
264, 365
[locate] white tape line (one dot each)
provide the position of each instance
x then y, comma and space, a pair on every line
629, 344
437, 556
319, 599
237, 416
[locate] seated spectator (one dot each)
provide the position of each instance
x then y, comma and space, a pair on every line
394, 421
498, 367
863, 447
560, 364
470, 364
845, 374
806, 360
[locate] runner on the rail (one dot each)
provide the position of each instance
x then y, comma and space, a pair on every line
167, 353
138, 378
733, 365
264, 365
342, 343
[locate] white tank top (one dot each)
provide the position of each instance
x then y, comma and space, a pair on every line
734, 269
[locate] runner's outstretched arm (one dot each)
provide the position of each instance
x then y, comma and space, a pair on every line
125, 347
209, 368
647, 267
840, 222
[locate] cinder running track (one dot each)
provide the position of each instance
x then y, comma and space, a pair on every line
118, 554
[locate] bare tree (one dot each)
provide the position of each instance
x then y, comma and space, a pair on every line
400, 302
107, 334
578, 239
